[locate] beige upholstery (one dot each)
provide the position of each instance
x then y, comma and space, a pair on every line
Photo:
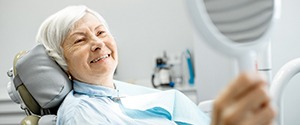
30, 120
28, 100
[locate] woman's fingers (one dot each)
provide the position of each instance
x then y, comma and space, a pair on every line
254, 100
240, 86
246, 106
244, 83
264, 116
241, 101
245, 110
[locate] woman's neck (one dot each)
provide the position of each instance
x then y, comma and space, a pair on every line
101, 82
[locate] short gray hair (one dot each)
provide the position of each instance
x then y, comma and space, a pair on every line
54, 30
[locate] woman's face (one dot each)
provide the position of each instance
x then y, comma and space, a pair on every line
90, 51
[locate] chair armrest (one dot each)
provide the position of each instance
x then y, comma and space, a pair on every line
206, 106
48, 120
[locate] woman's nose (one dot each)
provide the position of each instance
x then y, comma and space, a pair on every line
97, 43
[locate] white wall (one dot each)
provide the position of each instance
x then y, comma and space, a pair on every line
213, 69
286, 46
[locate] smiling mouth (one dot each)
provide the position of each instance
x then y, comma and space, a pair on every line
100, 58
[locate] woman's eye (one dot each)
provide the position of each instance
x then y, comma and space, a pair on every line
100, 33
79, 40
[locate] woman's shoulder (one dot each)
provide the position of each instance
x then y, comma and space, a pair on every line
80, 103
76, 109
70, 102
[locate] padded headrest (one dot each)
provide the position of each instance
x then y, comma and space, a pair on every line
43, 77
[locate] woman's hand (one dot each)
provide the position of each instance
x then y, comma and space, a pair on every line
244, 102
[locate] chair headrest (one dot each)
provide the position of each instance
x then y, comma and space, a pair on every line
43, 77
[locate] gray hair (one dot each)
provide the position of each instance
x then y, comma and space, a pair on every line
54, 30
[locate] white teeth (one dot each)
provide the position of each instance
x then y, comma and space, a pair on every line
96, 60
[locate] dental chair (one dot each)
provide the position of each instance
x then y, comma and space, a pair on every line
39, 85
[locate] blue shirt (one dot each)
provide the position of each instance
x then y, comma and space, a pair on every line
98, 105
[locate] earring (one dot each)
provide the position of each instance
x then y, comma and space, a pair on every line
69, 76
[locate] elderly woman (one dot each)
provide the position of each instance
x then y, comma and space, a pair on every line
79, 40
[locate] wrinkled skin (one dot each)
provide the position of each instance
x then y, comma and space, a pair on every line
91, 52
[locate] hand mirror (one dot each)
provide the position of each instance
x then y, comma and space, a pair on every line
235, 27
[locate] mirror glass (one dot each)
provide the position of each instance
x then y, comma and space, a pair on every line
240, 20
236, 27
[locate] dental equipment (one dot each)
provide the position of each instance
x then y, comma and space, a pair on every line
280, 81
